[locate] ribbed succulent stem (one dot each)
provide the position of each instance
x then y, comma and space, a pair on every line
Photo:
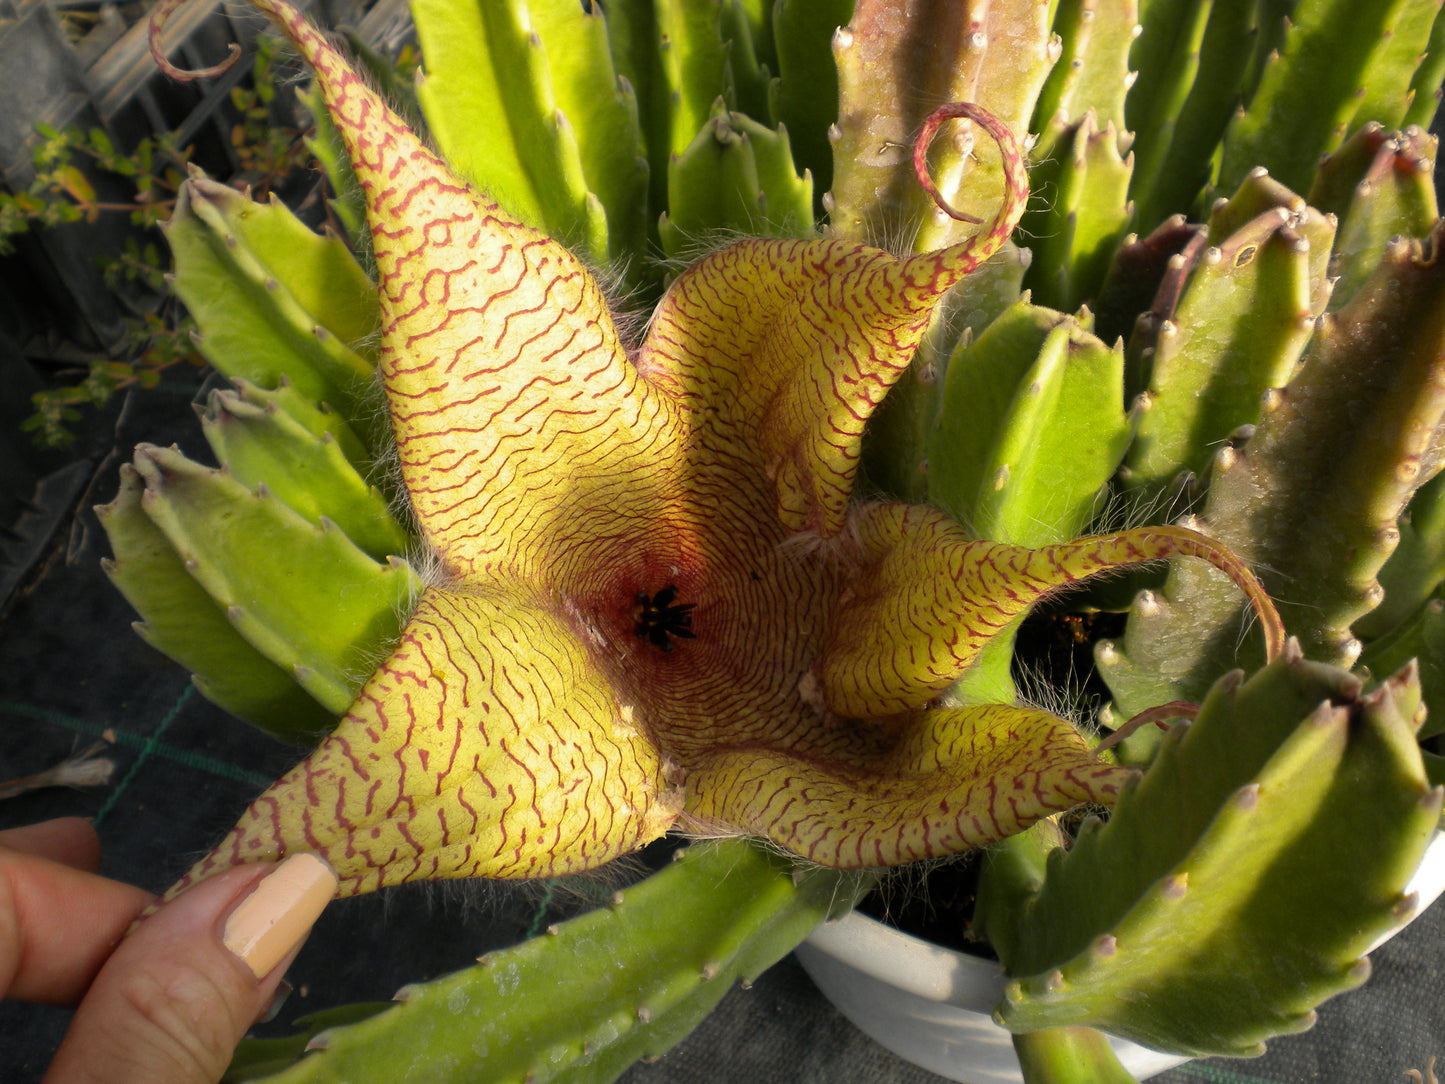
1136, 928
1030, 427
1174, 137
593, 994
1333, 56
953, 52
1069, 1055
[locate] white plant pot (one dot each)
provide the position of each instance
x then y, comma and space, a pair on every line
933, 1006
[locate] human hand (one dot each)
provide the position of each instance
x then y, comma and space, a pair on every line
169, 1003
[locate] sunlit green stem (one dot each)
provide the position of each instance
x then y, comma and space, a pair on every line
1069, 1056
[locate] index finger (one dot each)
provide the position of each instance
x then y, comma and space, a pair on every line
58, 924
68, 840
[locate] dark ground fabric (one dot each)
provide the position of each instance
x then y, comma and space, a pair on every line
73, 672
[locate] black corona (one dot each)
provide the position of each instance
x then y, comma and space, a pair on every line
660, 618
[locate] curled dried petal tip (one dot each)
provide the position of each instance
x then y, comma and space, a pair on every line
996, 129
159, 15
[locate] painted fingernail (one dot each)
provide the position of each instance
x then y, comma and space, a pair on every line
278, 913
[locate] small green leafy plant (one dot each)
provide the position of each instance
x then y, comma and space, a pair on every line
63, 192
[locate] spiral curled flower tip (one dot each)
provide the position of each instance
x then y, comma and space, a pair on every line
159, 15
1188, 543
1015, 171
1158, 715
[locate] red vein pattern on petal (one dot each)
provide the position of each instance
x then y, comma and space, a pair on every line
788, 346
523, 727
931, 597
487, 745
959, 778
500, 358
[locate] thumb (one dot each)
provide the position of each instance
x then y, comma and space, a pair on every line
175, 998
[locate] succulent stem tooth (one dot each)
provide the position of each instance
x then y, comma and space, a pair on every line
1405, 907
1176, 887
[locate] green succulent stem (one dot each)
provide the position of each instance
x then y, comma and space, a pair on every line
593, 994
1204, 866
1069, 1056
1013, 871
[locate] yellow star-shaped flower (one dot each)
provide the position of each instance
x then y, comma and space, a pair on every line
657, 603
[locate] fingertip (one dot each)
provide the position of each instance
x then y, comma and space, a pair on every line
185, 986
71, 841
58, 926
276, 916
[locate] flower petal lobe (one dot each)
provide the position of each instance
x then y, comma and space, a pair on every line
958, 778
502, 365
929, 598
487, 745
786, 347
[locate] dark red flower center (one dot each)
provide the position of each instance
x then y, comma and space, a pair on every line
659, 618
